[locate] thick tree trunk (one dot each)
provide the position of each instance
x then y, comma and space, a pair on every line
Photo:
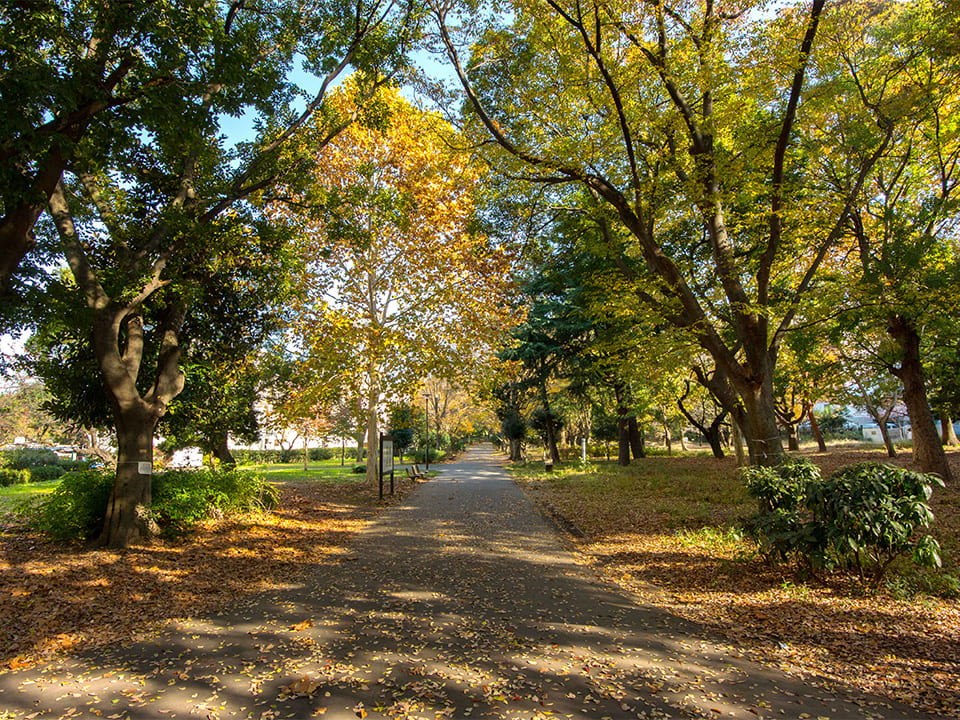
128, 519
927, 451
948, 435
635, 435
516, 451
762, 428
815, 429
221, 451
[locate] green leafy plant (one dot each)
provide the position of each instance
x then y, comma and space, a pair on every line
75, 509
872, 513
862, 517
9, 476
41, 473
182, 498
23, 458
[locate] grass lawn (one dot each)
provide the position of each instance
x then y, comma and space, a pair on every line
13, 495
667, 529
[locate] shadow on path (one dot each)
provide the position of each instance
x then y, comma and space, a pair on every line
459, 603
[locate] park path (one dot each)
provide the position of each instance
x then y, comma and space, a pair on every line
459, 603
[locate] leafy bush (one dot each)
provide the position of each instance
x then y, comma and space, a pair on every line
182, 498
76, 508
9, 476
23, 458
323, 453
862, 517
872, 513
783, 487
420, 455
40, 473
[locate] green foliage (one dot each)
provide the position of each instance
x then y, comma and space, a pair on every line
29, 457
780, 488
41, 473
75, 509
270, 457
871, 513
182, 498
833, 423
9, 476
420, 455
320, 454
862, 517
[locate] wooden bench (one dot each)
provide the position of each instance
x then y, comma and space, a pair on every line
414, 473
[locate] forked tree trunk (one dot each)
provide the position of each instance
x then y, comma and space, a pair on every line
927, 451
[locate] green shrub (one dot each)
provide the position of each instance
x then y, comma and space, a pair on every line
40, 473
872, 513
76, 508
182, 498
23, 458
420, 455
319, 454
359, 469
783, 487
9, 476
862, 517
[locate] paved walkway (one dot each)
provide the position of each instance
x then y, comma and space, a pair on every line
460, 603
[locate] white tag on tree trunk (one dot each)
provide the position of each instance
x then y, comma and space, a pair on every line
145, 468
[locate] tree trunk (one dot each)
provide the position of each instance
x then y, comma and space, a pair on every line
947, 434
343, 451
552, 449
815, 429
127, 519
635, 435
887, 440
793, 442
373, 399
306, 453
762, 428
737, 440
666, 438
927, 451
221, 451
516, 451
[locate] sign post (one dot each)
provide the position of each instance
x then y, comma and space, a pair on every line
386, 461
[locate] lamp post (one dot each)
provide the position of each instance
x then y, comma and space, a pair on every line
426, 408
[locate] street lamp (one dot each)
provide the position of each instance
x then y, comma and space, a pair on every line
426, 408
